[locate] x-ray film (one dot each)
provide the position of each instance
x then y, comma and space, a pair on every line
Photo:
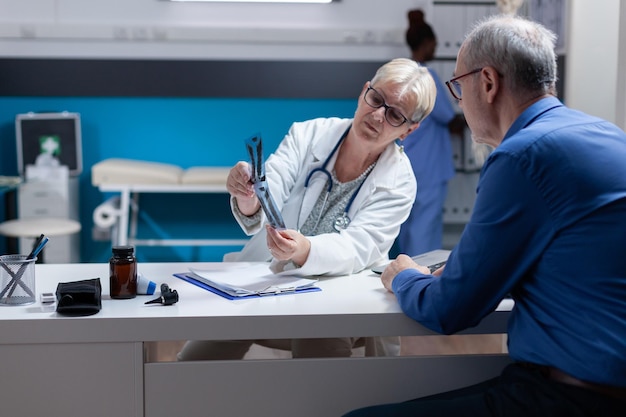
254, 146
269, 205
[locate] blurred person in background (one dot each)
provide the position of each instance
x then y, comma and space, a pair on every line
429, 149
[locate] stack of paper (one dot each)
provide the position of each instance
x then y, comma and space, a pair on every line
237, 280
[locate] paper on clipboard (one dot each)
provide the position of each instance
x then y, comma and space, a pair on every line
249, 279
254, 145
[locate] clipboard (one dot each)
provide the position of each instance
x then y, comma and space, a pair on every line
189, 278
244, 279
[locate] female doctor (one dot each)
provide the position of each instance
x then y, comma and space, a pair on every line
343, 186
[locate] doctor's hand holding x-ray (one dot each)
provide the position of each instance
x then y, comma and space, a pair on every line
239, 185
283, 245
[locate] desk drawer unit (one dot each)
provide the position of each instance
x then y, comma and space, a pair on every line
305, 387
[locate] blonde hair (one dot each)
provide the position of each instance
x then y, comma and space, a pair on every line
415, 80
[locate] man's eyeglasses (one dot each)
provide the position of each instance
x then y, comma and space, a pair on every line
455, 87
393, 116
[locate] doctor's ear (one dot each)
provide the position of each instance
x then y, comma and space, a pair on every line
410, 130
367, 84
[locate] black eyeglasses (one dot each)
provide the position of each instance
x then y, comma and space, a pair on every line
393, 116
455, 87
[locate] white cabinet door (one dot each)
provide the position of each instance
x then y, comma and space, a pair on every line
72, 380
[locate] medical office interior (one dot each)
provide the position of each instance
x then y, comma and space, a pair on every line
181, 85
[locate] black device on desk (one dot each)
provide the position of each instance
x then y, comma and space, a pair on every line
433, 260
167, 298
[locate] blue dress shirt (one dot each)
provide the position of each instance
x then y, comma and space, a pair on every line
549, 227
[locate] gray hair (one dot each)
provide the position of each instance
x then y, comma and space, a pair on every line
521, 50
415, 80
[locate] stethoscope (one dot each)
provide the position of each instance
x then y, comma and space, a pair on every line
342, 221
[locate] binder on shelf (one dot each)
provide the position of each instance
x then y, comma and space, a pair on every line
237, 280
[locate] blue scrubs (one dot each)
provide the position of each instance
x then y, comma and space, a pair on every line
430, 151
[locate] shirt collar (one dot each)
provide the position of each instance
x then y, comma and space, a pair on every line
531, 113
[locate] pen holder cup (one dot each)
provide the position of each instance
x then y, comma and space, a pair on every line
17, 280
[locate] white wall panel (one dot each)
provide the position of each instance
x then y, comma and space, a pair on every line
349, 29
621, 71
592, 57
27, 10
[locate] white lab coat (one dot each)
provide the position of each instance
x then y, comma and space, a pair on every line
380, 207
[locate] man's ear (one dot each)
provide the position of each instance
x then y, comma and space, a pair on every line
412, 127
490, 83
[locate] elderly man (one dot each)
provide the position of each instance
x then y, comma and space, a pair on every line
548, 227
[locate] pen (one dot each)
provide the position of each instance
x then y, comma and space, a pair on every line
38, 247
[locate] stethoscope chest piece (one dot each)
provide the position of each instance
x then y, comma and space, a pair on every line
342, 222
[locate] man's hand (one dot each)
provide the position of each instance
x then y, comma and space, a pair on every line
401, 263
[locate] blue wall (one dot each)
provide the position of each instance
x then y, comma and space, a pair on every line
182, 131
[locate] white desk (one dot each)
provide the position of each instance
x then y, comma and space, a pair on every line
95, 366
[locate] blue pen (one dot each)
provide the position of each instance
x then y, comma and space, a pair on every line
39, 247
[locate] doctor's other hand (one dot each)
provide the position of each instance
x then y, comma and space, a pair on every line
240, 186
398, 265
287, 245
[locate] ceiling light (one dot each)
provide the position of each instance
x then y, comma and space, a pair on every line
259, 1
